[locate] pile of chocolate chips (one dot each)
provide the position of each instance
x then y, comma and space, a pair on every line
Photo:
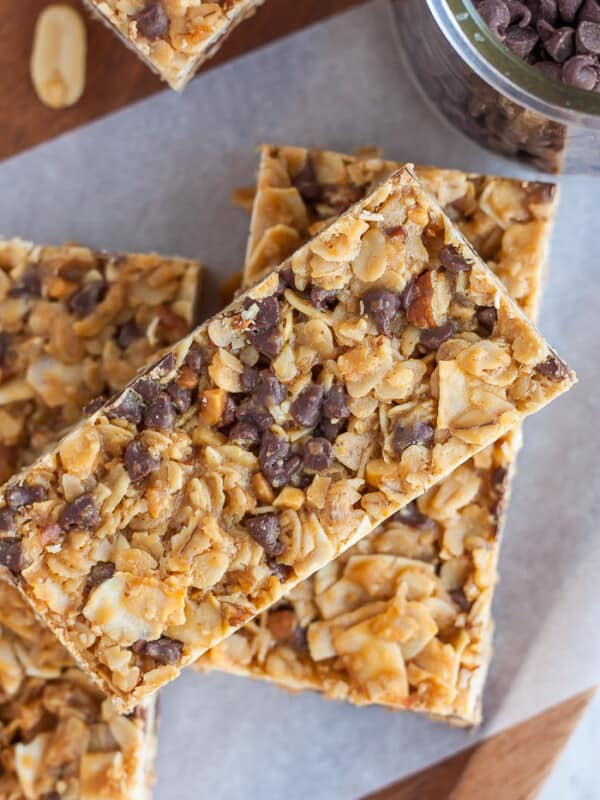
561, 38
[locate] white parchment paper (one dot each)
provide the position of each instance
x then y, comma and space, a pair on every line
158, 176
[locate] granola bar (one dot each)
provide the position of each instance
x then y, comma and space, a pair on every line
363, 370
76, 324
435, 561
173, 37
59, 736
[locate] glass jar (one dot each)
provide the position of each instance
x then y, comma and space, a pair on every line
491, 95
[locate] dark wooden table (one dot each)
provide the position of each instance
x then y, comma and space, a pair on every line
510, 766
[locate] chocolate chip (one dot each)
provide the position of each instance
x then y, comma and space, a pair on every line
553, 368
546, 10
521, 41
94, 405
160, 413
268, 390
265, 334
396, 232
256, 413
129, 407
541, 192
306, 183
7, 521
152, 21
180, 397
588, 37
245, 435
411, 516
276, 460
164, 365
496, 15
318, 454
84, 300
486, 316
452, 261
138, 461
30, 284
306, 408
248, 379
264, 529
590, 11
561, 44
568, 9
195, 358
22, 494
408, 293
460, 599
11, 555
128, 333
147, 388
229, 413
404, 436
340, 196
381, 306
323, 299
99, 573
81, 513
498, 479
335, 404
287, 278
519, 13
580, 72
163, 650
5, 343
432, 338
330, 429
281, 571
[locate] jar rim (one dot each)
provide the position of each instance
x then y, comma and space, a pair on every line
474, 42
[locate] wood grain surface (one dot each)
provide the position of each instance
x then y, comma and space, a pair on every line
115, 77
512, 765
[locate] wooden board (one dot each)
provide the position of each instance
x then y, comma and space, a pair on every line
513, 765
115, 77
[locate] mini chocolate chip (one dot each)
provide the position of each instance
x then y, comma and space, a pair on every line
30, 284
163, 650
5, 342
306, 408
323, 299
546, 10
404, 436
264, 529
265, 334
432, 338
318, 454
340, 196
195, 358
84, 300
519, 13
147, 388
180, 397
253, 411
99, 573
288, 278
22, 494
129, 333
411, 516
276, 461
306, 182
590, 11
245, 435
561, 45
330, 429
408, 293
11, 555
588, 37
229, 413
335, 404
81, 513
164, 364
138, 461
248, 379
496, 15
460, 598
486, 316
580, 72
7, 521
541, 192
568, 9
94, 405
268, 389
396, 232
553, 368
129, 407
281, 571
521, 41
452, 261
498, 479
160, 413
152, 21
381, 306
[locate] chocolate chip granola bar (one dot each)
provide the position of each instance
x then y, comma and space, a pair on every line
173, 37
432, 566
330, 395
60, 738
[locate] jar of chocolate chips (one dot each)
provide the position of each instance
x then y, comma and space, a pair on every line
521, 77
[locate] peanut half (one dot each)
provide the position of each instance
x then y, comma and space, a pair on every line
58, 56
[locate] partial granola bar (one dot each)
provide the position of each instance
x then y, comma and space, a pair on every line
173, 37
363, 370
59, 736
76, 324
435, 562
